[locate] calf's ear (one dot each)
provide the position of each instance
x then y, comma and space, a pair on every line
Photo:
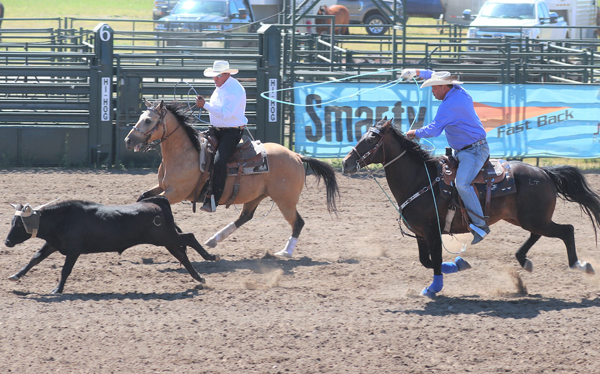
43, 206
17, 207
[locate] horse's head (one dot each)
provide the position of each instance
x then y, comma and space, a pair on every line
144, 130
368, 149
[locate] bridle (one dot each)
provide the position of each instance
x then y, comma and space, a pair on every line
148, 134
362, 159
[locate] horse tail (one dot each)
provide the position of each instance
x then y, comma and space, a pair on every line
325, 171
572, 186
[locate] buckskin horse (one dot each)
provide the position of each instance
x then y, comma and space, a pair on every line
342, 17
413, 177
180, 176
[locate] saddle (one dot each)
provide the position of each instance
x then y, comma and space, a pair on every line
250, 157
495, 179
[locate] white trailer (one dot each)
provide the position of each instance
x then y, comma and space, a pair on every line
576, 13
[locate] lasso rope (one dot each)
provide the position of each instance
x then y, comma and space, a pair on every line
265, 95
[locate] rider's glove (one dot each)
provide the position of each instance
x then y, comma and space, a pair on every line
408, 73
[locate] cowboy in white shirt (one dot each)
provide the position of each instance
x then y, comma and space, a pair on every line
226, 110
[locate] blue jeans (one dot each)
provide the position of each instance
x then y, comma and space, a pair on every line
470, 162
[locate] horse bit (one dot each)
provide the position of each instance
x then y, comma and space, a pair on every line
148, 134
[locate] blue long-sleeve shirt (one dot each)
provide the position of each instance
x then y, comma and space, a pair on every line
456, 116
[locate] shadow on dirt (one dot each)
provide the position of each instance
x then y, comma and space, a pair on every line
171, 296
528, 307
260, 266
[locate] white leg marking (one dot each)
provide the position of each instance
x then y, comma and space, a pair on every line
289, 248
221, 235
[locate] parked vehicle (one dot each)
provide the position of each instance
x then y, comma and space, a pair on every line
362, 12
506, 19
162, 8
189, 15
425, 8
366, 12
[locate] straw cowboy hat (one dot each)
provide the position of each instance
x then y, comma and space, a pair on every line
219, 67
440, 78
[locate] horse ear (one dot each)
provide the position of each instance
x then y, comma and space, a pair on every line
161, 105
148, 104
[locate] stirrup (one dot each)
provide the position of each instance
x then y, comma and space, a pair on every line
209, 205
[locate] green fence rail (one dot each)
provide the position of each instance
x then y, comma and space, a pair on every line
51, 77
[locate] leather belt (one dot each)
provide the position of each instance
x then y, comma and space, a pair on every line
479, 142
227, 128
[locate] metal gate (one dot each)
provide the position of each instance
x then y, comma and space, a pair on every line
74, 106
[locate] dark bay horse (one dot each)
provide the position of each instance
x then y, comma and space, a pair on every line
409, 168
342, 17
180, 177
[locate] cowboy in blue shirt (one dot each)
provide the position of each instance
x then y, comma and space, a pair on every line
456, 117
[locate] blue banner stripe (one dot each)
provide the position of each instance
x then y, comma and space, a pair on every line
521, 120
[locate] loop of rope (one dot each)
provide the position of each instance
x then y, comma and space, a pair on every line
265, 95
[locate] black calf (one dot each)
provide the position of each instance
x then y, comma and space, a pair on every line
77, 227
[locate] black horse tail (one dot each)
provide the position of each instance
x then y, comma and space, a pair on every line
572, 186
325, 171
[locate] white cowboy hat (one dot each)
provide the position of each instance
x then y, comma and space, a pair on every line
440, 78
219, 67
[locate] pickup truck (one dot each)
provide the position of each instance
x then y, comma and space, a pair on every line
505, 19
366, 12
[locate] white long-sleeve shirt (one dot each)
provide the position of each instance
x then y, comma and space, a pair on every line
227, 105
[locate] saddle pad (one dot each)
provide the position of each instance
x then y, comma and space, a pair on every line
263, 167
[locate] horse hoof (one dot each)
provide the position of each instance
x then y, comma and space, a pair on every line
428, 293
217, 258
14, 278
461, 263
528, 265
589, 269
211, 243
584, 266
283, 253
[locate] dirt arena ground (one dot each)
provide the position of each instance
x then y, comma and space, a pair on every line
347, 302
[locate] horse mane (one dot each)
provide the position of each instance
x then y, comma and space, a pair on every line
413, 147
185, 119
